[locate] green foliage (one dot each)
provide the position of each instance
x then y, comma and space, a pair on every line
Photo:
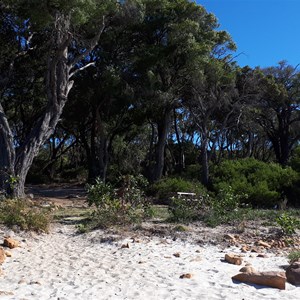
81, 12
99, 194
254, 182
185, 209
225, 201
192, 171
121, 206
295, 160
132, 188
168, 187
287, 223
21, 213
224, 207
294, 256
180, 228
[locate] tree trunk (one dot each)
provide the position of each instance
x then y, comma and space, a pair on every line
181, 161
204, 159
98, 161
97, 149
7, 154
58, 85
163, 129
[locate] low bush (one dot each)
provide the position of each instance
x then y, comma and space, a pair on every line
121, 206
287, 223
166, 188
192, 172
185, 209
294, 256
254, 182
22, 213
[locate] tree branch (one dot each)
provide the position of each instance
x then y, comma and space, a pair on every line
93, 43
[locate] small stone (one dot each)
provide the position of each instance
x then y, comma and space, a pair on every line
177, 254
10, 243
247, 269
21, 281
263, 244
8, 253
125, 246
233, 259
230, 237
245, 249
2, 255
134, 240
35, 282
262, 255
293, 273
187, 275
30, 196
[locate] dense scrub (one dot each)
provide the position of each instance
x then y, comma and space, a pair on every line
254, 182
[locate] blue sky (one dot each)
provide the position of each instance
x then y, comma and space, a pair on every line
265, 31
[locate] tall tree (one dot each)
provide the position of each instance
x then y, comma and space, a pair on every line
71, 30
171, 35
212, 102
278, 108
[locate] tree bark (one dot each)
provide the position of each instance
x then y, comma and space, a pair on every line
181, 161
98, 160
7, 154
204, 159
162, 129
16, 162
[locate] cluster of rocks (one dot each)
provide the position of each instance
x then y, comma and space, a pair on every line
250, 244
270, 278
10, 243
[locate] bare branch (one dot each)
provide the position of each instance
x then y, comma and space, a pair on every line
82, 68
93, 43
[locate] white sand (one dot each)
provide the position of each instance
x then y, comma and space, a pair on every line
64, 265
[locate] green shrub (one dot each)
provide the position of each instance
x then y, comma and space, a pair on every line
100, 193
185, 209
168, 187
226, 200
287, 223
254, 182
192, 172
22, 213
118, 206
295, 160
294, 256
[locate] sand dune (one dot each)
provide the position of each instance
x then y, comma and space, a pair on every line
65, 265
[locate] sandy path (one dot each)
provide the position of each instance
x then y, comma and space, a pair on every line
64, 265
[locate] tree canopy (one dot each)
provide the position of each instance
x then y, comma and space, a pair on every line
135, 86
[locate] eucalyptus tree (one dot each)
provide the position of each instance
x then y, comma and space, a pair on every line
277, 110
212, 102
171, 35
102, 103
70, 31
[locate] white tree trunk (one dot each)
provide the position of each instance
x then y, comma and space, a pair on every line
58, 85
